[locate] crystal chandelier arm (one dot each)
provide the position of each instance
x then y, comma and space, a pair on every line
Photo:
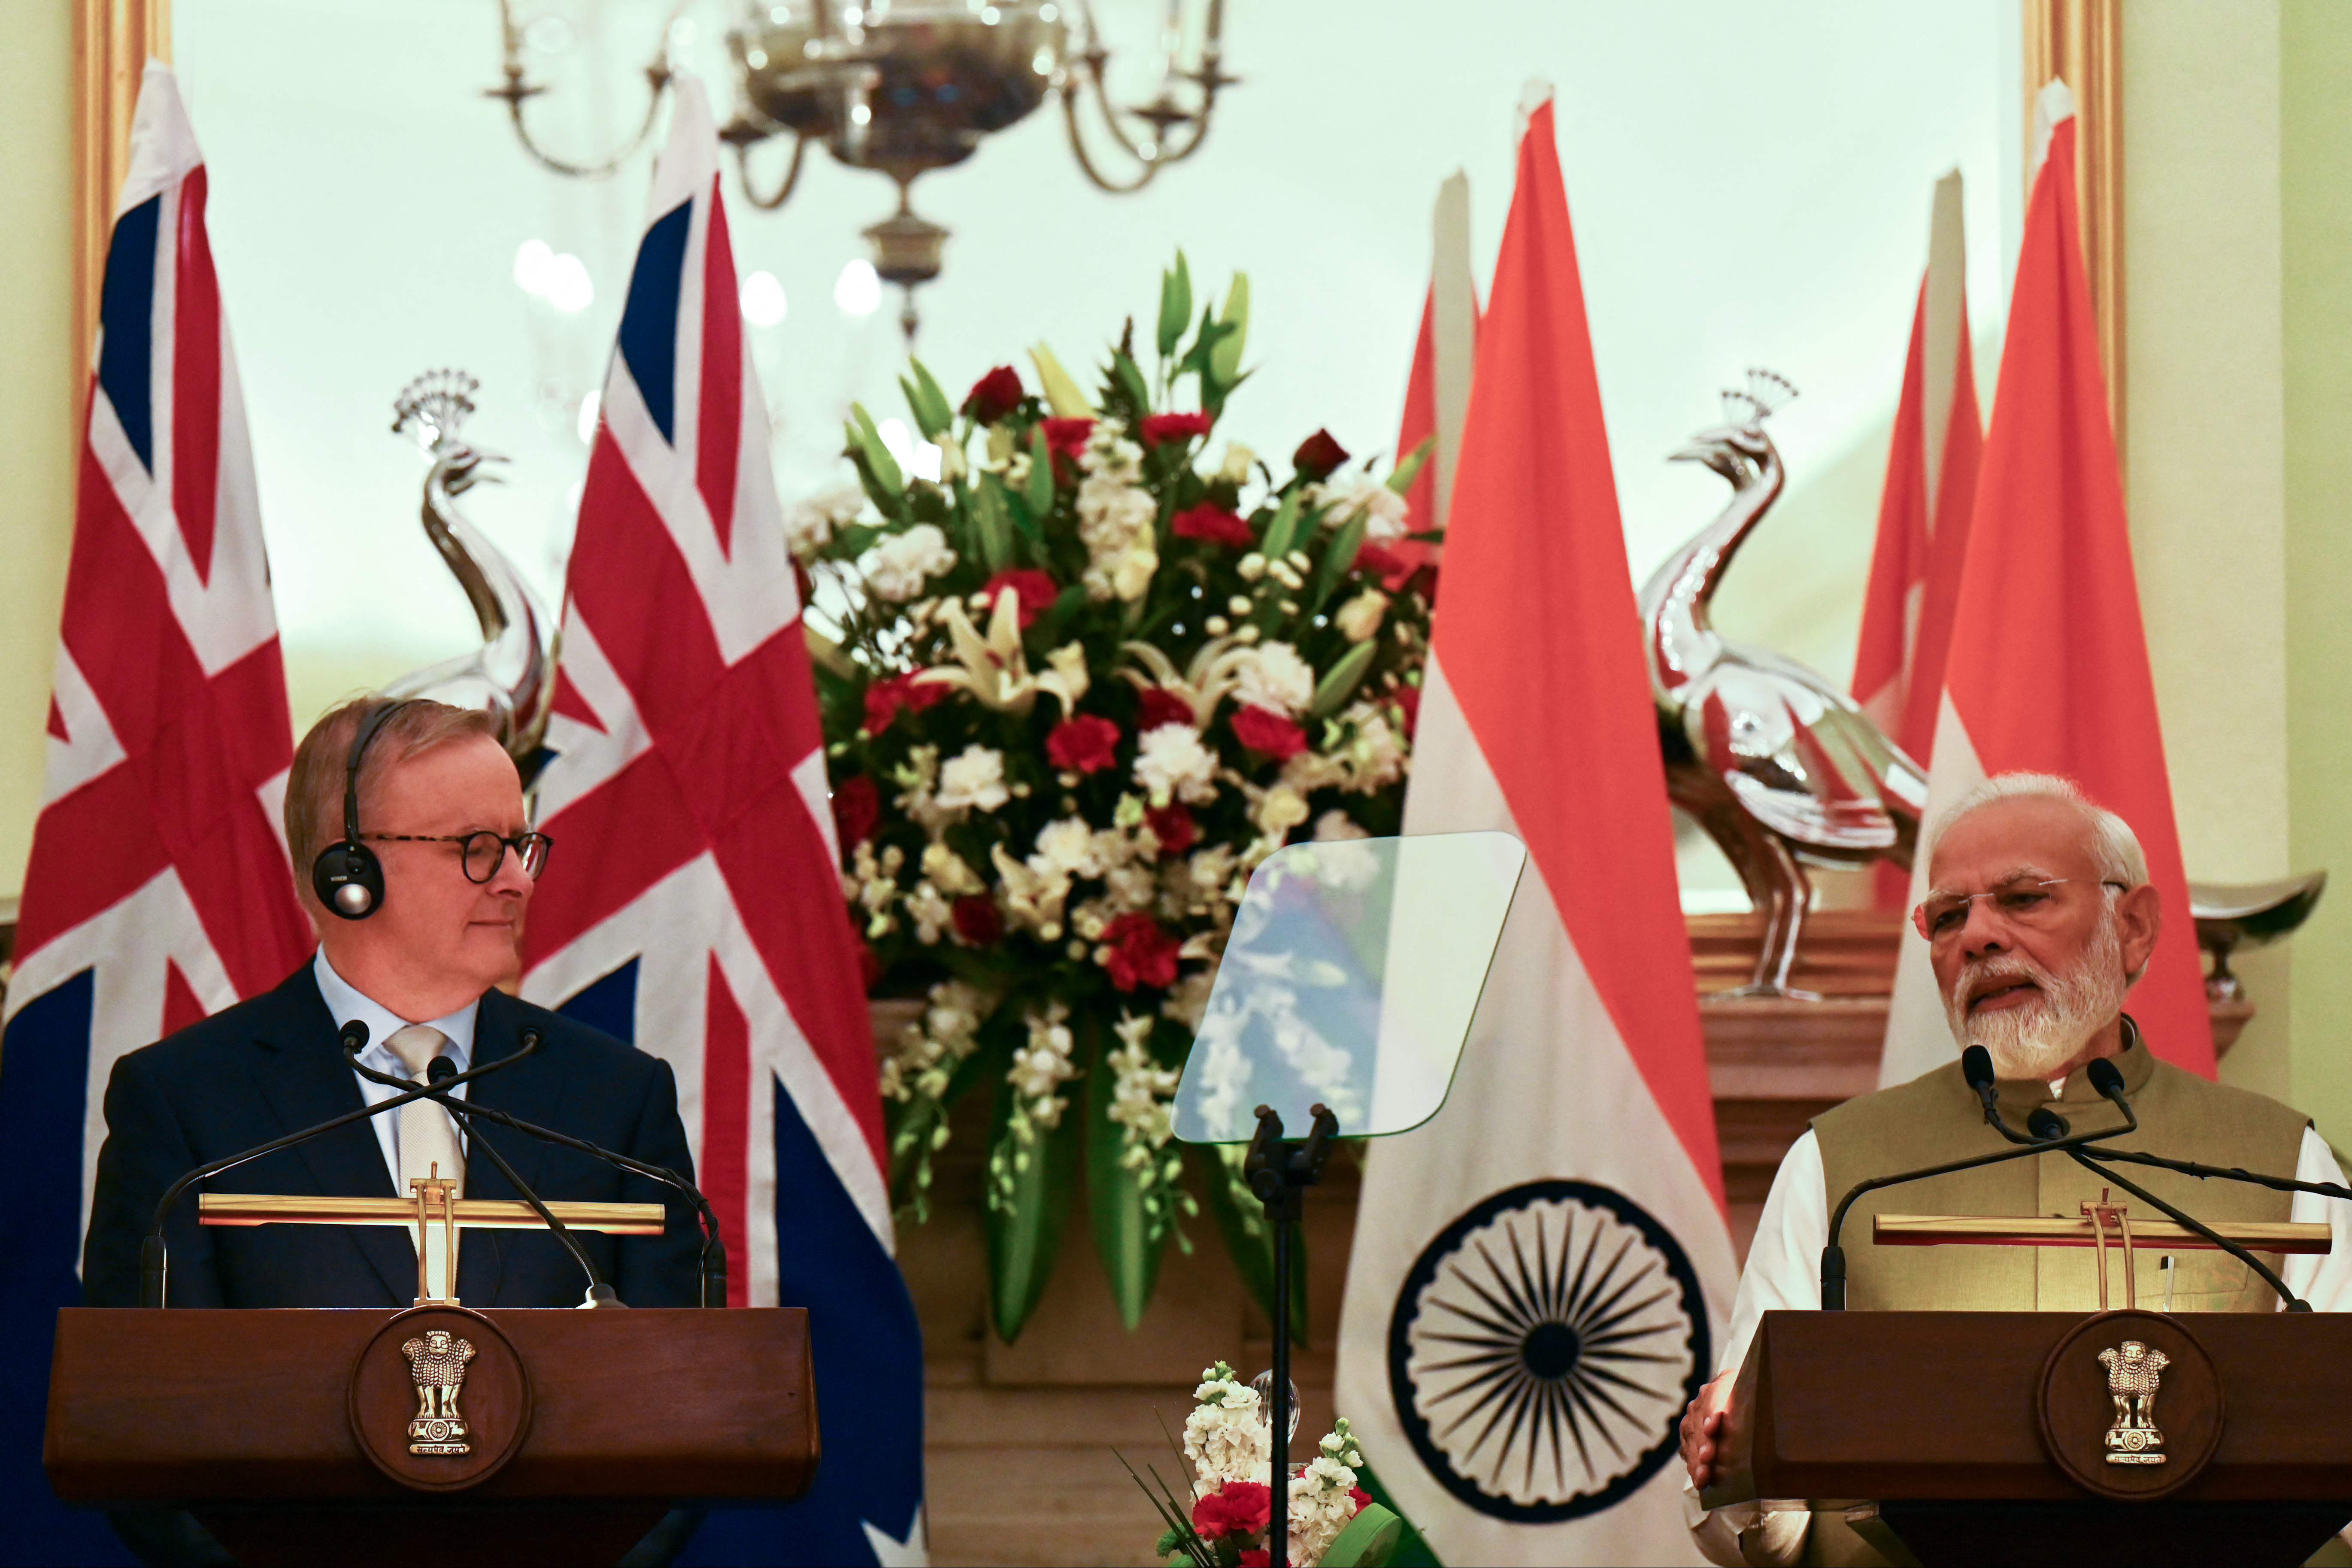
782, 193
516, 90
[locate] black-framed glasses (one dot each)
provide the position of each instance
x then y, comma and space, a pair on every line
484, 851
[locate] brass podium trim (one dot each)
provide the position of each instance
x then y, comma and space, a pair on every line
471, 1213
2035, 1230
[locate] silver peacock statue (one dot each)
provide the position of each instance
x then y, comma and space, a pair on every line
512, 675
1773, 760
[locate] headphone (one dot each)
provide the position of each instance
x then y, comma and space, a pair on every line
346, 877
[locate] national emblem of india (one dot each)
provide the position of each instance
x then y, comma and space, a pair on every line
2134, 1374
437, 1360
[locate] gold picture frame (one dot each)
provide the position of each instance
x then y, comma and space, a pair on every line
113, 41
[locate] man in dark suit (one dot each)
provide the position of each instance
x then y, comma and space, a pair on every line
441, 808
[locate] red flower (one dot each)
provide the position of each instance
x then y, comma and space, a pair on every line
1363, 1499
1142, 953
1174, 827
1159, 427
869, 968
1318, 455
1255, 1557
1215, 524
1033, 591
857, 806
1380, 562
1237, 1508
977, 921
993, 395
1409, 698
1156, 705
885, 698
1084, 744
1267, 734
1068, 437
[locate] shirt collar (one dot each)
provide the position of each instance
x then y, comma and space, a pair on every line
348, 1003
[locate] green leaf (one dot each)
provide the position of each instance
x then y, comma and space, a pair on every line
1040, 494
868, 442
1367, 1542
1276, 543
927, 402
1123, 1239
1409, 468
1131, 382
1175, 305
1341, 679
1225, 359
992, 524
1338, 559
1249, 1236
1025, 1232
1061, 394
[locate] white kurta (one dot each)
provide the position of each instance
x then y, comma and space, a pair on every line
1783, 1274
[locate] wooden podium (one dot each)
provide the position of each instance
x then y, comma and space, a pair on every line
1983, 1436
432, 1435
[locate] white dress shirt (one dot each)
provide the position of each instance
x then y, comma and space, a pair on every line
347, 1003
1783, 1274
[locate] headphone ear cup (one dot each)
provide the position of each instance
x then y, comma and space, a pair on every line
348, 879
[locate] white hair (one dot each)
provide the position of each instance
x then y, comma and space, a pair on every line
2114, 847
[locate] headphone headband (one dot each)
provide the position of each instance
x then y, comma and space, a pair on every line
346, 877
377, 717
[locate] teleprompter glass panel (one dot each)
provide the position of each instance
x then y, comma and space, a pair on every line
1349, 981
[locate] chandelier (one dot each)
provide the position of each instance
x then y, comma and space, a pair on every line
904, 87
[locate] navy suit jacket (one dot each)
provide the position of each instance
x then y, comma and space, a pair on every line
272, 1065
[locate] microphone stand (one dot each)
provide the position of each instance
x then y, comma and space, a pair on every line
154, 1254
600, 1294
711, 1265
1279, 1172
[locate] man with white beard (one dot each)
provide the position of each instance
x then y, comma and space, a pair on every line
2039, 918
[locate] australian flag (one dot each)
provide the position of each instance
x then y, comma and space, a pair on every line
703, 918
158, 890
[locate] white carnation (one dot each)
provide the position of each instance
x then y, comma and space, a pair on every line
811, 523
1171, 763
1068, 846
1384, 510
897, 568
975, 778
1275, 677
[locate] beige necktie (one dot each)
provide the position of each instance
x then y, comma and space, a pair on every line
428, 1140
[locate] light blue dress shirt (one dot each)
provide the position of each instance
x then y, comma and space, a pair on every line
347, 1003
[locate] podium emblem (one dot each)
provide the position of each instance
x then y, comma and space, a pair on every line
2134, 1373
437, 1360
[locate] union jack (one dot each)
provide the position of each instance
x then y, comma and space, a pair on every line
696, 907
158, 890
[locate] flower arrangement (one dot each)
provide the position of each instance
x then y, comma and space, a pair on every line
1222, 1518
1075, 688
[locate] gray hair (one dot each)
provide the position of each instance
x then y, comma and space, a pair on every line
2114, 847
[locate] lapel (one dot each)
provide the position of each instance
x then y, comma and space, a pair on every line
530, 1091
300, 1072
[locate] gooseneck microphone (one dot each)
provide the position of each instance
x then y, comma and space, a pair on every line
710, 1264
153, 1254
1976, 1066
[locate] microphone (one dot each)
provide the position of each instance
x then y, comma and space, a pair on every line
710, 1266
439, 1073
154, 1254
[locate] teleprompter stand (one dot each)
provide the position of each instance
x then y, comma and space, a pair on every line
1279, 1172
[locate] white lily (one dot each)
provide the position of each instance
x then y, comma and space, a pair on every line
1211, 673
996, 669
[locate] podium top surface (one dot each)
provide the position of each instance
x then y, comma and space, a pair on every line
1943, 1405
647, 1403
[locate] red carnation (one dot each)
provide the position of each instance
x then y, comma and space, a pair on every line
1068, 437
857, 806
1159, 427
1363, 1499
1268, 733
1142, 953
977, 921
1255, 1557
1033, 591
1156, 705
1237, 1508
993, 395
1386, 564
1318, 455
1084, 744
883, 699
1174, 827
1409, 698
1215, 524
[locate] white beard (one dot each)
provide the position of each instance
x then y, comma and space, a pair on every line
2037, 1039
